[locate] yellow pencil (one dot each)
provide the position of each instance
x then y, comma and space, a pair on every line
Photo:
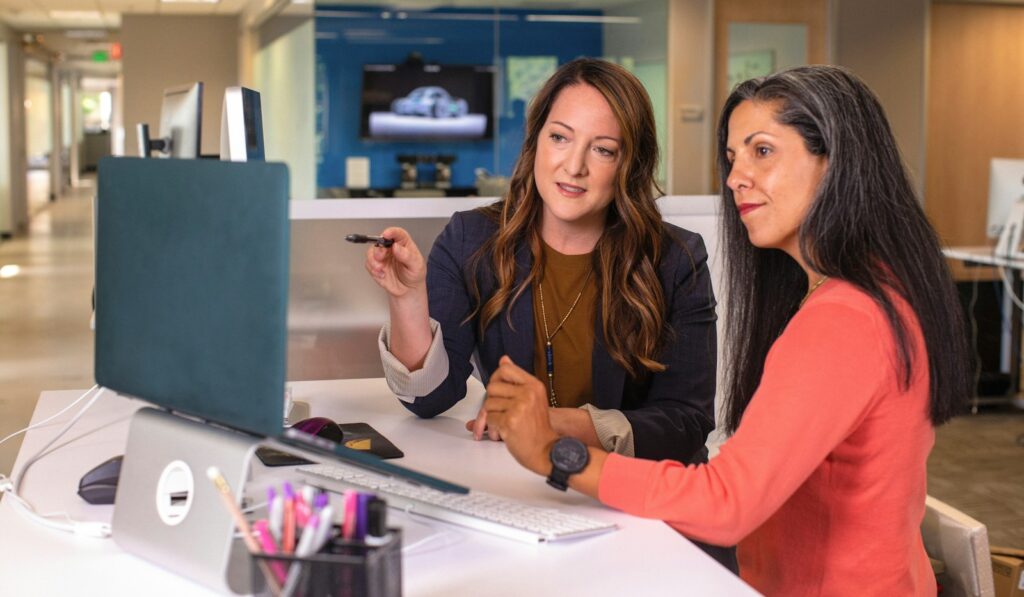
243, 525
229, 502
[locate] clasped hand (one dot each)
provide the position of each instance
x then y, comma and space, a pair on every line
516, 411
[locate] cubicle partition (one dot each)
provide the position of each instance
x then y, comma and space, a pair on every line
336, 310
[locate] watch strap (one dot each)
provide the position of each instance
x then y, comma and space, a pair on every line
558, 479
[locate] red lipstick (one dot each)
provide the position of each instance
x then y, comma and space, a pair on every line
745, 208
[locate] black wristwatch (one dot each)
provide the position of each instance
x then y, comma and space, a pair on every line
568, 457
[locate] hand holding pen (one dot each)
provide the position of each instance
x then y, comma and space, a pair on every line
399, 269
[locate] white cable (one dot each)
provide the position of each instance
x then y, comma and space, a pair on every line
51, 417
1009, 288
12, 485
974, 341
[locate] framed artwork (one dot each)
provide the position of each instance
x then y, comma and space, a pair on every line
747, 65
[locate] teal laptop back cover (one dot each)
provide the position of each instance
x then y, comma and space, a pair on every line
192, 287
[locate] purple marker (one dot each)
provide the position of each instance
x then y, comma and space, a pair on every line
362, 519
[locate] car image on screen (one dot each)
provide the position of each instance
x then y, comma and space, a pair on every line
434, 102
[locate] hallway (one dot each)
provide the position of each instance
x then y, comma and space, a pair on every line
45, 340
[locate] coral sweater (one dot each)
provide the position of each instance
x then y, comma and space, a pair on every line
823, 484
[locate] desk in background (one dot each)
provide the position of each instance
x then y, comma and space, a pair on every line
1010, 338
644, 557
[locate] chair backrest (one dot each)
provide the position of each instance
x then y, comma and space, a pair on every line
962, 544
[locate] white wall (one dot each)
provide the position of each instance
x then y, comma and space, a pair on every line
38, 97
5, 146
283, 72
13, 194
162, 51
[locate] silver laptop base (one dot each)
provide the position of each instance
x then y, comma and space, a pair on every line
167, 510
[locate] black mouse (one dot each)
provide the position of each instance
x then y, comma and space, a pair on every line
99, 486
321, 427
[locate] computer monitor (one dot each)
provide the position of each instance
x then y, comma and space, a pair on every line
1005, 187
181, 117
1006, 204
241, 126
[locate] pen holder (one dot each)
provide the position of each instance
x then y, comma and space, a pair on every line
341, 569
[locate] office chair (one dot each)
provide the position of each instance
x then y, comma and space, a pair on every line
962, 544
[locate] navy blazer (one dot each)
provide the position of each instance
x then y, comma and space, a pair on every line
671, 412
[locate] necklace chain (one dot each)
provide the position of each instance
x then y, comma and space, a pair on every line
811, 291
549, 351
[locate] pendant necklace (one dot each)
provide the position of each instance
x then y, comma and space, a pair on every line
811, 291
549, 352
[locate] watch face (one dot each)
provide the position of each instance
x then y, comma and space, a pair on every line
570, 455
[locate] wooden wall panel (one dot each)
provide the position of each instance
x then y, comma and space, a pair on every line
813, 13
975, 112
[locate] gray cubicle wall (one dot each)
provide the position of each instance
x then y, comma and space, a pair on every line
336, 310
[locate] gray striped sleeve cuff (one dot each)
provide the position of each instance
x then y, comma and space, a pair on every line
407, 385
613, 429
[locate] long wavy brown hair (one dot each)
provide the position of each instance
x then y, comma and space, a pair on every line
626, 257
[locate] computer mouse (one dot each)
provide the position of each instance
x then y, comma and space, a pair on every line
99, 486
321, 427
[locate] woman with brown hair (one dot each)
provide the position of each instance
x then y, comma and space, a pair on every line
574, 276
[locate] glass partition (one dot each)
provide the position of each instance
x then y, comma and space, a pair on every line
431, 102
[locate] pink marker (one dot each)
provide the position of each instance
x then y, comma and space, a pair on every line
351, 505
302, 510
266, 540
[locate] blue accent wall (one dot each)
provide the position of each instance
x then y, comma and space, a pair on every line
346, 42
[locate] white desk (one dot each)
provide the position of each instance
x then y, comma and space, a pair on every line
1011, 332
644, 557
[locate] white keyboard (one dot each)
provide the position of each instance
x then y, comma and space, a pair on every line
475, 510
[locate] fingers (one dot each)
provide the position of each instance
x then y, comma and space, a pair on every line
480, 425
399, 235
374, 262
398, 268
511, 373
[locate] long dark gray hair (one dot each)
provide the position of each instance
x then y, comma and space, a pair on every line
864, 226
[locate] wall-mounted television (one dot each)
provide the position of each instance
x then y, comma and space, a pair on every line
427, 102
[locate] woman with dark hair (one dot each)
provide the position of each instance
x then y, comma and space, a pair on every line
846, 348
575, 276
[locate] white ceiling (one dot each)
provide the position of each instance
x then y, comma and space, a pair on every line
37, 15
105, 15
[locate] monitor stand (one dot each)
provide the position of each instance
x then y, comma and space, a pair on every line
167, 510
1009, 241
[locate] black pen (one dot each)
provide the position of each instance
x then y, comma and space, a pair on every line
380, 241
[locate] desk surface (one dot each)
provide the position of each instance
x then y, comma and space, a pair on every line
983, 255
644, 557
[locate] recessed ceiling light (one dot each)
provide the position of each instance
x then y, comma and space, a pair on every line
86, 33
9, 271
77, 15
584, 19
189, 1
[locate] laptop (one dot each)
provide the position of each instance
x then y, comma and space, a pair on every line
192, 286
192, 282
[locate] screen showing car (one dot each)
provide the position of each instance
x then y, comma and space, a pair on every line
402, 102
